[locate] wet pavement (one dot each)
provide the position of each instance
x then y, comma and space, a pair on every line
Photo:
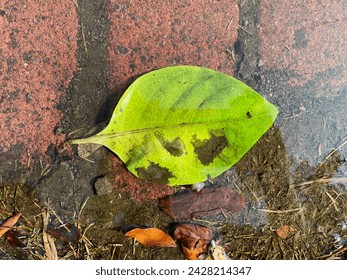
38, 62
63, 67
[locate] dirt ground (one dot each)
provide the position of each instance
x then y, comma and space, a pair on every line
283, 186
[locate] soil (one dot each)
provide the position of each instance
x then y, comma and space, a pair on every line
281, 176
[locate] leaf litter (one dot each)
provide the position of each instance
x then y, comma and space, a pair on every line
194, 239
101, 215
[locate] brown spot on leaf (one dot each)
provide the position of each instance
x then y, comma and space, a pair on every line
155, 173
206, 150
174, 147
138, 189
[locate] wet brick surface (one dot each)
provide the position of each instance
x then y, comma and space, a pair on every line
37, 62
146, 35
303, 54
307, 38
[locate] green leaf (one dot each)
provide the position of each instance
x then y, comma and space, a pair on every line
184, 124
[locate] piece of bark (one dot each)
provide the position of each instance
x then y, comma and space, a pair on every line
208, 202
193, 239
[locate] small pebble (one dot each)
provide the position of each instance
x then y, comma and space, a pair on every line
198, 186
103, 186
260, 62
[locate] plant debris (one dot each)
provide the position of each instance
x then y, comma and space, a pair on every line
217, 252
48, 241
209, 201
268, 192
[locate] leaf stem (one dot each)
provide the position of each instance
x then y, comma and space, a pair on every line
87, 140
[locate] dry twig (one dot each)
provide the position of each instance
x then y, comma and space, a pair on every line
48, 241
321, 181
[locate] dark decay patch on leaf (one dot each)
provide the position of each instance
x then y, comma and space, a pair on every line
155, 173
206, 150
174, 147
135, 154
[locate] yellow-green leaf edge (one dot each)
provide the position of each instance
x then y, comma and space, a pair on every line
181, 125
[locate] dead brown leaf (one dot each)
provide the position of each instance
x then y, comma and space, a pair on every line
151, 237
194, 239
71, 236
284, 231
207, 202
191, 254
12, 238
9, 223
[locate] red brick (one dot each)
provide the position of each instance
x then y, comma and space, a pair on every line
37, 62
146, 35
307, 38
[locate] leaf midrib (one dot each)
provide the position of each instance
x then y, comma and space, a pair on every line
99, 138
